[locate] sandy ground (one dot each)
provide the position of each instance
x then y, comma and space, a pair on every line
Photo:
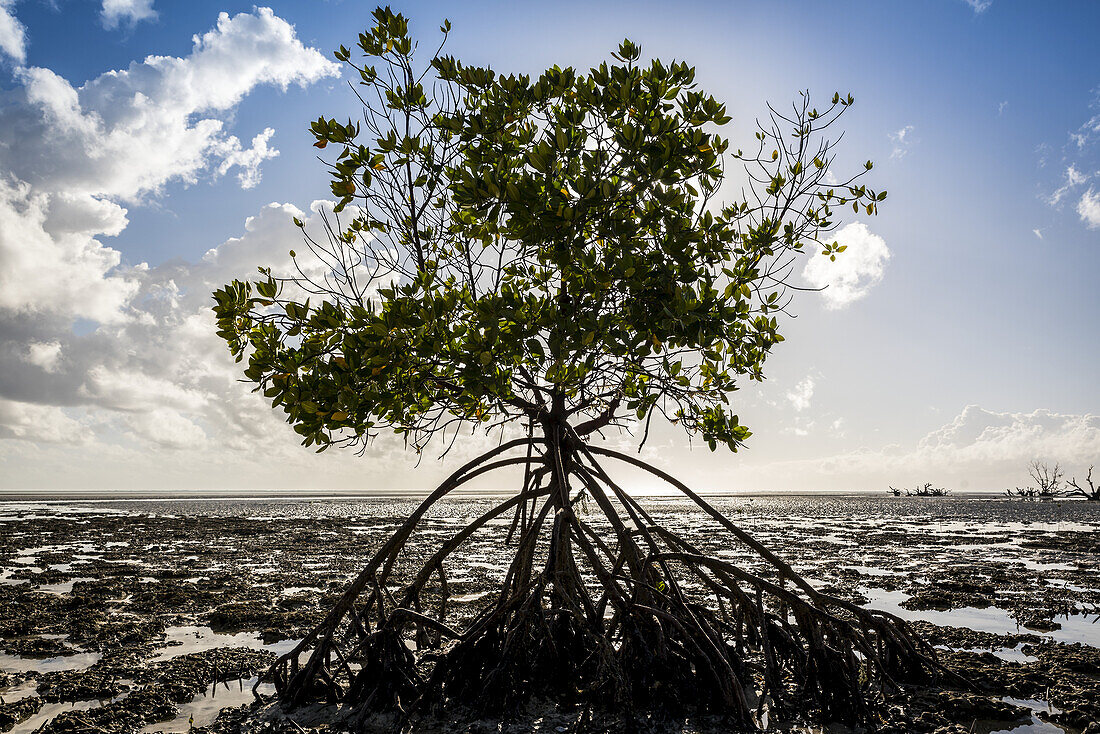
115, 616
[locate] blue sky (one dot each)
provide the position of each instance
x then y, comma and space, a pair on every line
963, 345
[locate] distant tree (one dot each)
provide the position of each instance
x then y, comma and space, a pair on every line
1049, 480
544, 253
1092, 493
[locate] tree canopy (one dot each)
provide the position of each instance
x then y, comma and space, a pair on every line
545, 250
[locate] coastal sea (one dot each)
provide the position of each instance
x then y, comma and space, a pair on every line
115, 609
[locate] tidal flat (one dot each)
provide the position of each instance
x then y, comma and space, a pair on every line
161, 615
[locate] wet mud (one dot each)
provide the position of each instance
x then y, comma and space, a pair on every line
160, 616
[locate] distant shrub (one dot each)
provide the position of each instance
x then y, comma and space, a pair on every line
925, 490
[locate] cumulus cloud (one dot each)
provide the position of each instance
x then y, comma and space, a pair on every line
981, 441
248, 161
128, 132
158, 393
46, 355
39, 423
854, 272
159, 377
65, 272
802, 393
72, 154
114, 12
145, 371
166, 429
1089, 208
13, 37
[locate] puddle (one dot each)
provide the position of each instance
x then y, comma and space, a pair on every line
1002, 528
292, 590
874, 571
19, 692
473, 596
18, 663
65, 587
197, 639
1008, 654
48, 712
1033, 565
1035, 726
1075, 627
1078, 628
206, 706
1038, 566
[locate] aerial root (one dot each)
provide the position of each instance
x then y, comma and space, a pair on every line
614, 610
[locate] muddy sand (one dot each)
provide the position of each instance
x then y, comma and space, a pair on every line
115, 616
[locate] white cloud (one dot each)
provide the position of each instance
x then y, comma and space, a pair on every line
248, 160
1038, 233
854, 272
145, 370
159, 393
1073, 179
46, 355
72, 154
136, 387
1002, 107
1086, 132
13, 38
1090, 129
83, 213
802, 393
1083, 168
39, 423
166, 428
69, 272
979, 441
1089, 208
269, 237
979, 6
158, 377
902, 140
129, 132
802, 426
114, 12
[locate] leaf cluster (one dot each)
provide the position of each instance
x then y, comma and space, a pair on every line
509, 248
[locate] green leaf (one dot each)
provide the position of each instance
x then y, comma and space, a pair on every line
538, 244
